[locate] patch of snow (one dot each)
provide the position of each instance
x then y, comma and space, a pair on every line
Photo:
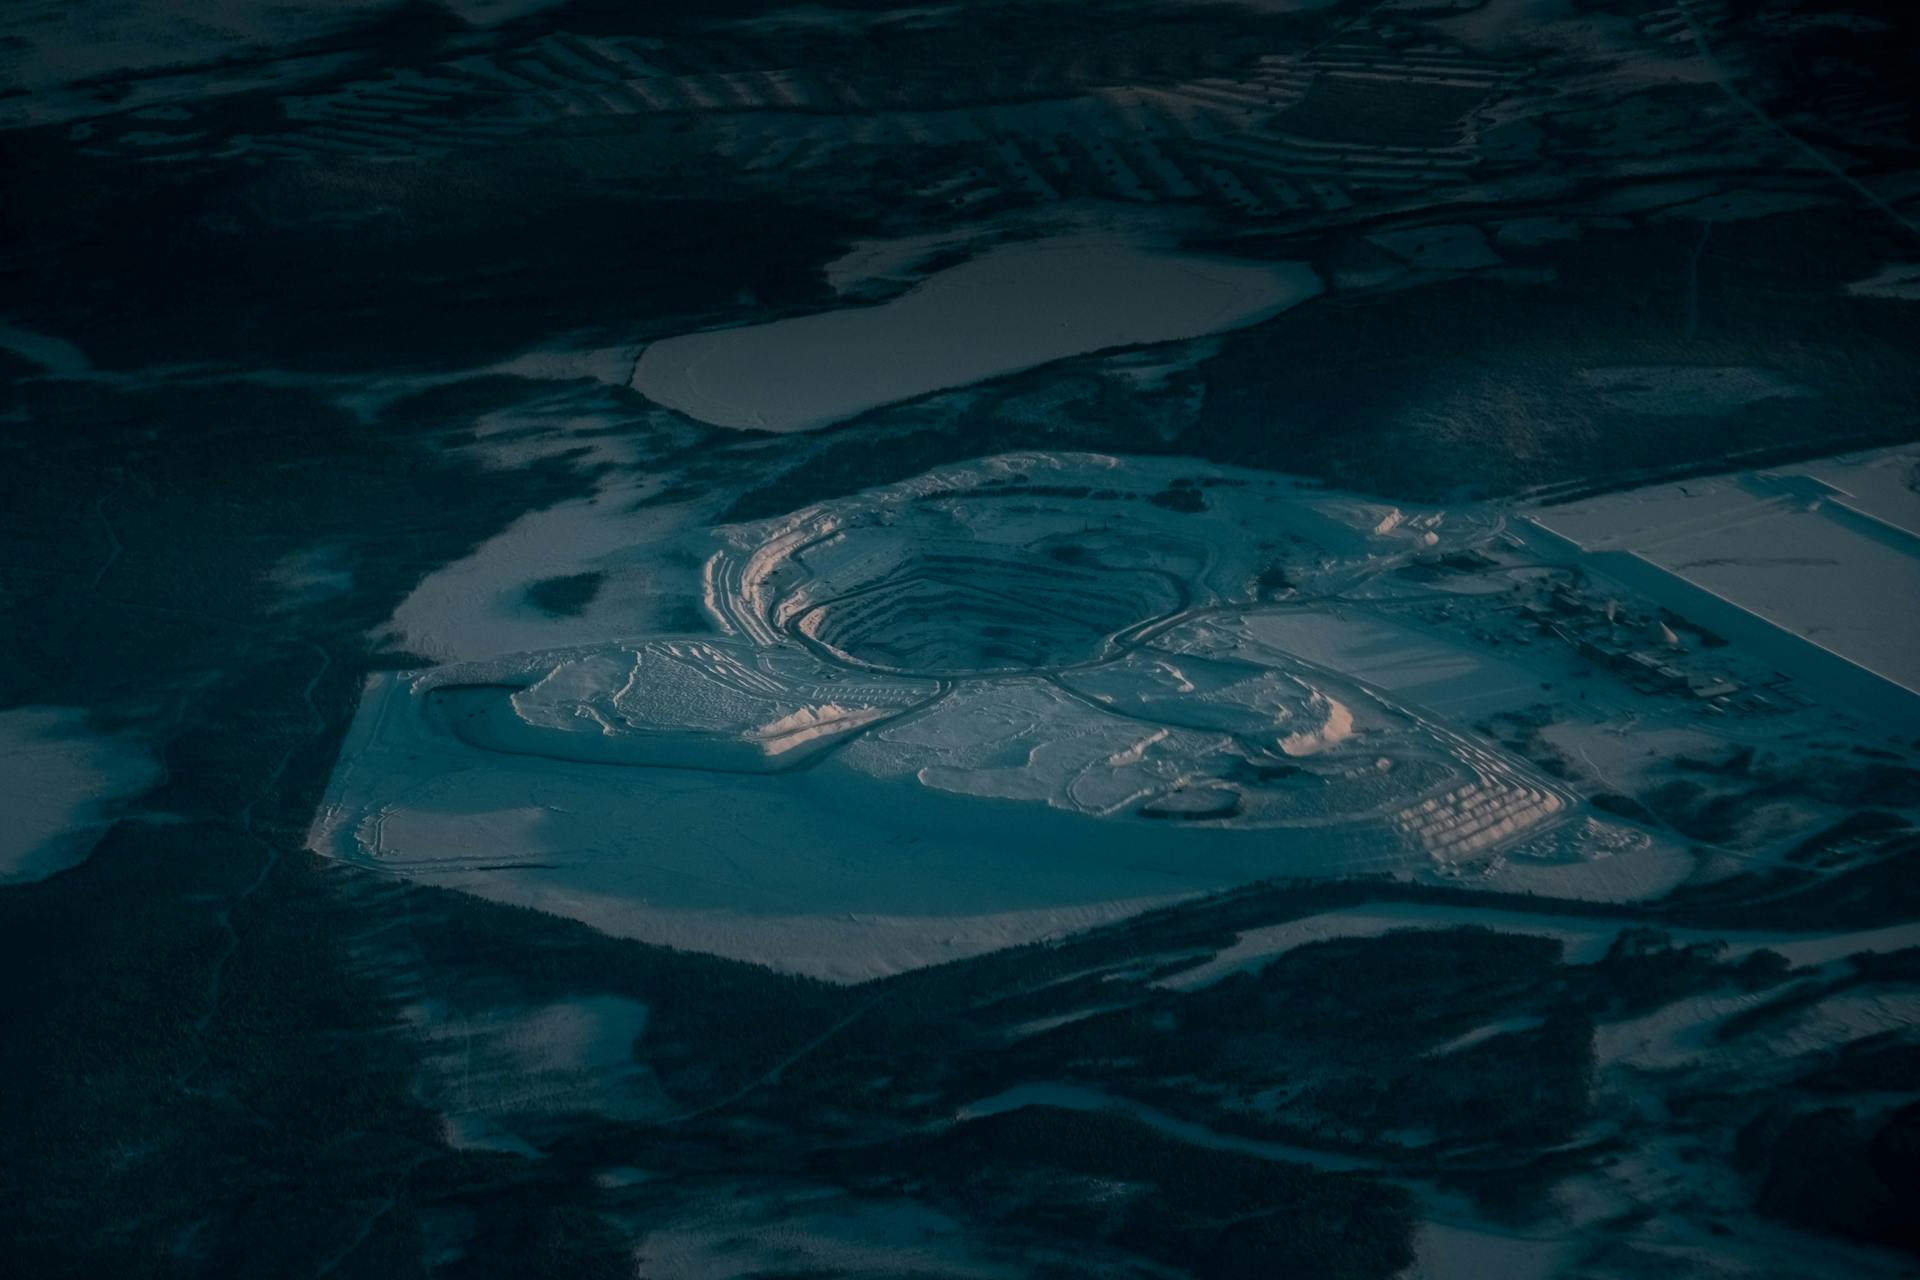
807, 1230
1076, 1097
1584, 940
477, 607
62, 782
1783, 550
306, 577
1443, 1251
1482, 1034
492, 1068
1673, 390
60, 358
1447, 248
1899, 280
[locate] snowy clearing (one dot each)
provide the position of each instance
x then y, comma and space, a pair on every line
63, 781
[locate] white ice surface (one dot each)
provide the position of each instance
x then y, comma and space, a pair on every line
1011, 308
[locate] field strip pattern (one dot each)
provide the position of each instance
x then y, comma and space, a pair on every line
1110, 124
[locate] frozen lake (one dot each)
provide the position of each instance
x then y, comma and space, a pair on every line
1009, 309
64, 783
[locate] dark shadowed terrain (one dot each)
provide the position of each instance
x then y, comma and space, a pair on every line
1019, 638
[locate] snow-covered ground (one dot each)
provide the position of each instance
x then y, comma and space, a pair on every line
1899, 280
477, 607
63, 781
804, 1229
1445, 1251
1678, 390
1795, 548
489, 1068
1002, 701
1078, 1097
55, 53
51, 43
829, 870
1453, 679
1011, 308
1884, 484
997, 702
1583, 939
